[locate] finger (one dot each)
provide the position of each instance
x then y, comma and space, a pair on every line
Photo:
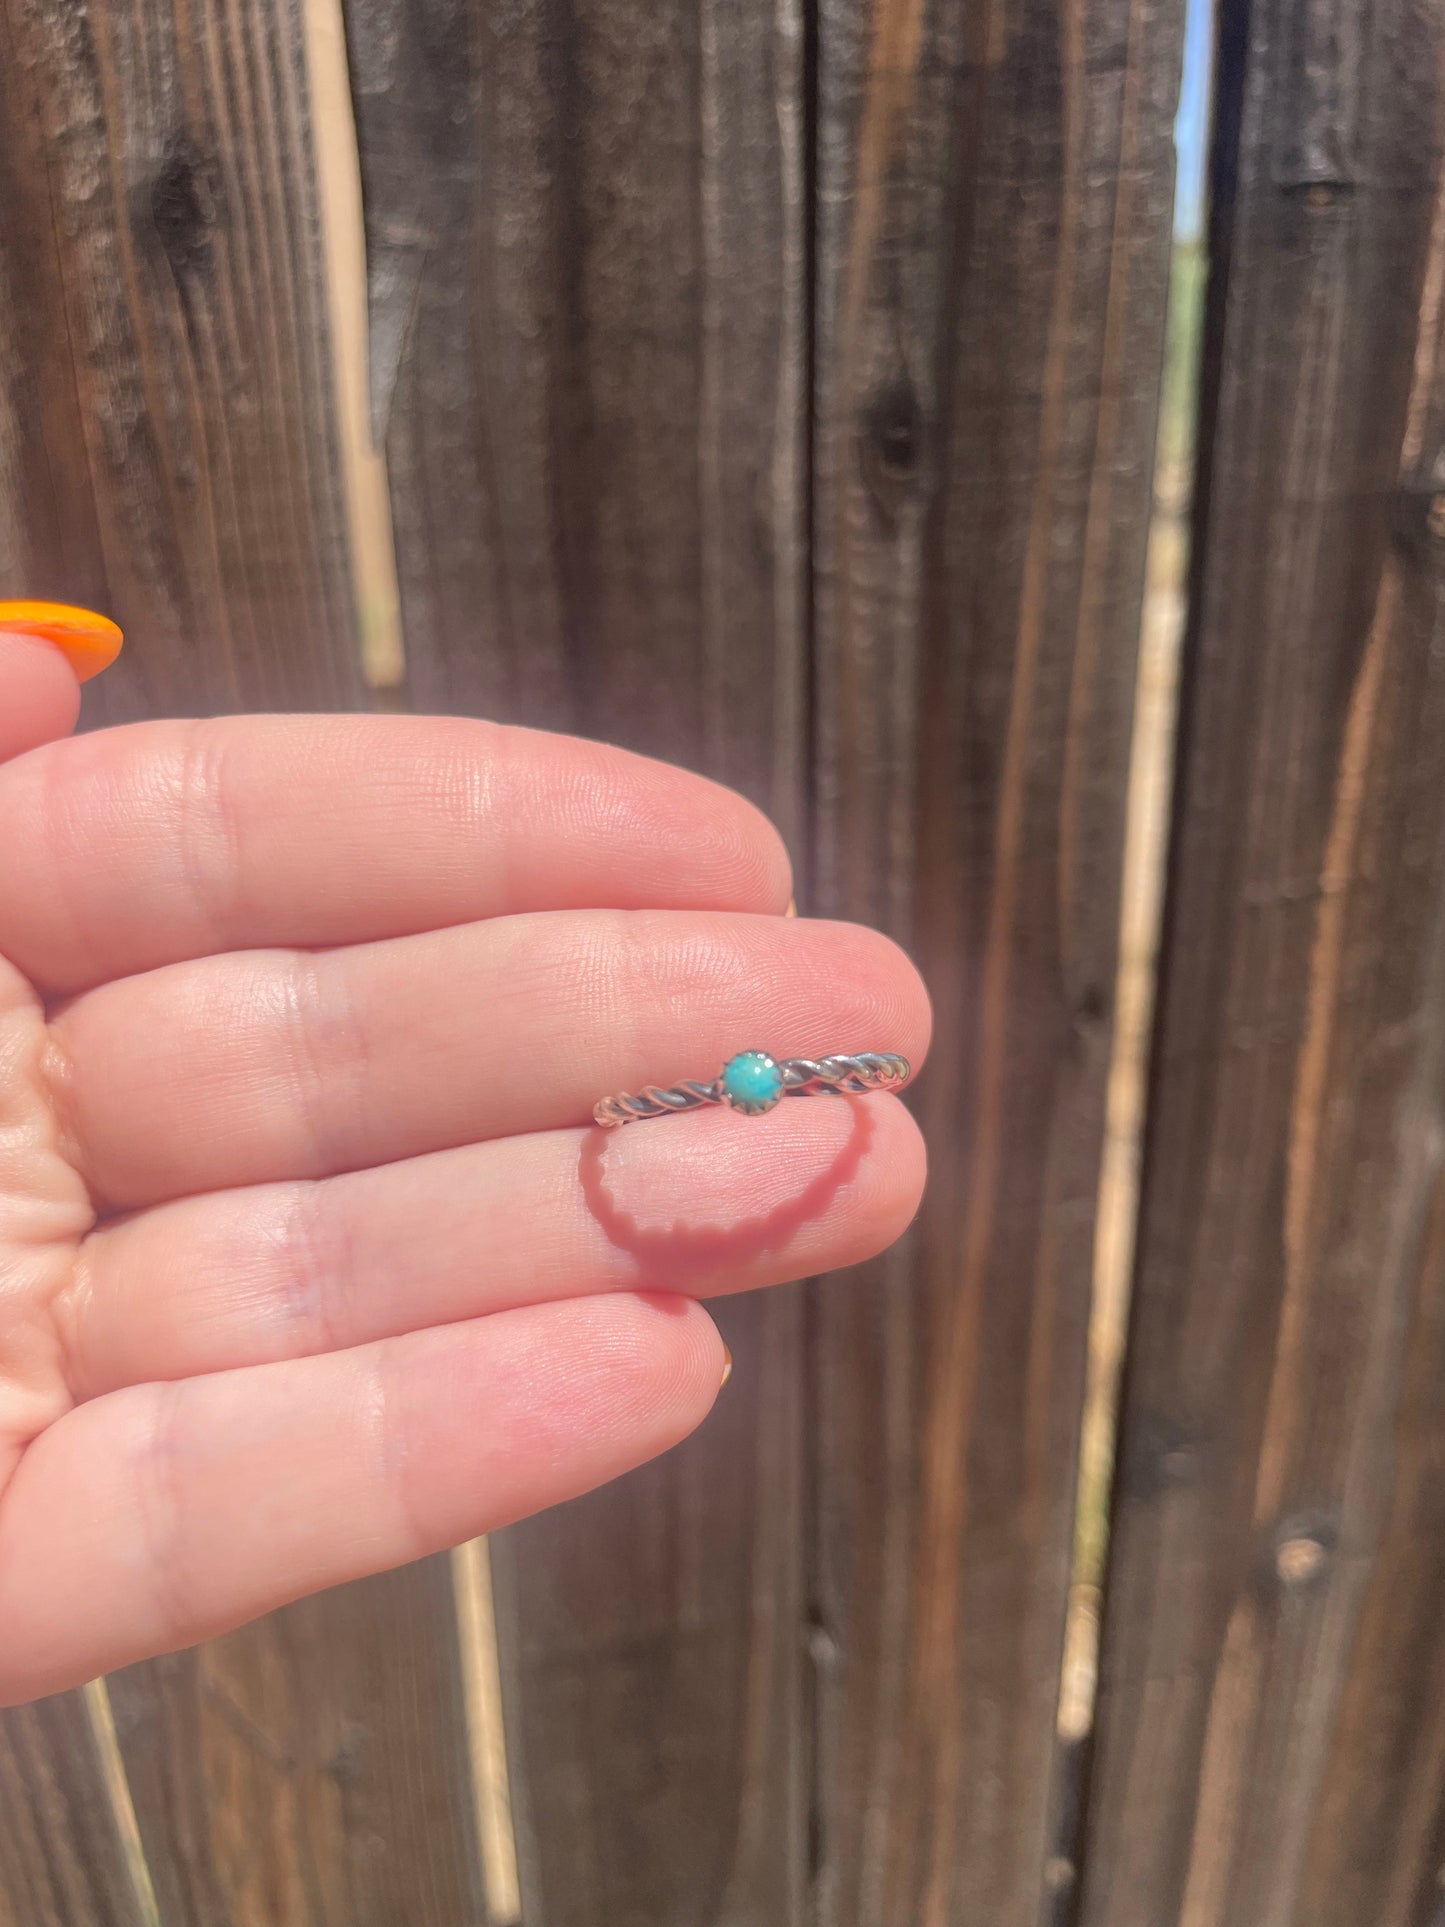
39, 695
266, 1065
89, 642
140, 846
47, 649
165, 1514
707, 1203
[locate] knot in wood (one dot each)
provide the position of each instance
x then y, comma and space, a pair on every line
184, 205
892, 440
1300, 1560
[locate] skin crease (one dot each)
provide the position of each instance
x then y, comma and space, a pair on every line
310, 1260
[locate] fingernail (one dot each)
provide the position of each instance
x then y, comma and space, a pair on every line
727, 1367
792, 909
89, 642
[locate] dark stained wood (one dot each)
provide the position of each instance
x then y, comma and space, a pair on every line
651, 1653
167, 444
805, 1669
1377, 1838
62, 1859
1272, 1746
168, 451
49, 534
585, 223
994, 199
310, 1771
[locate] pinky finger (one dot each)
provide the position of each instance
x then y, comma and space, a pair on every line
163, 1514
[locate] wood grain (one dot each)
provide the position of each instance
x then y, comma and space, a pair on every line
994, 199
806, 1668
1271, 1746
585, 225
62, 1857
167, 444
310, 1771
168, 451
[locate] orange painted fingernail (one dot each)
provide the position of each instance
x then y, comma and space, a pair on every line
727, 1366
88, 642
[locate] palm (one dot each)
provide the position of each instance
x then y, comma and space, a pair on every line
309, 1262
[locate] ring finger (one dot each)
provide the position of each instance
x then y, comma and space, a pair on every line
706, 1203
268, 1065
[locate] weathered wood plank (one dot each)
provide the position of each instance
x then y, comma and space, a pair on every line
585, 228
1271, 1744
651, 1643
62, 1856
167, 445
311, 1771
1377, 1840
168, 451
994, 197
49, 534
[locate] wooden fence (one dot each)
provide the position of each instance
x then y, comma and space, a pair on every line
772, 385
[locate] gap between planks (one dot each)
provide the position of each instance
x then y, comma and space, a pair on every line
1147, 816
343, 240
122, 1807
486, 1729
373, 567
373, 555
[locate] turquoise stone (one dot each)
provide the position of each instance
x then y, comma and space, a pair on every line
751, 1082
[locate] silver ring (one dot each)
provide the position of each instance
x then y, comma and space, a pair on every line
753, 1082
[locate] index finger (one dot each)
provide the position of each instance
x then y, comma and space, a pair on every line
158, 842
39, 694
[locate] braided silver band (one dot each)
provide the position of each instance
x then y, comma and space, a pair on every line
762, 1084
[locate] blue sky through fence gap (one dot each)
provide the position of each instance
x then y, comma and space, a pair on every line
1191, 127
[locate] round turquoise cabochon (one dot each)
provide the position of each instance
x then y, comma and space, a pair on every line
751, 1082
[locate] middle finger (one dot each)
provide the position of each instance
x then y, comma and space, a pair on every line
265, 1065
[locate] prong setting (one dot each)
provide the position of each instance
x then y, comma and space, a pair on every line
751, 1082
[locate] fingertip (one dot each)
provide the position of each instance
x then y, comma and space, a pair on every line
732, 842
679, 1363
887, 991
882, 1181
47, 649
902, 1172
775, 864
912, 1007
39, 694
89, 641
713, 1203
600, 1383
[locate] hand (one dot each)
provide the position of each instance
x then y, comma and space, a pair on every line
310, 1261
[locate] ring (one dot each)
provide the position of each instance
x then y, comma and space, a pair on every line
753, 1082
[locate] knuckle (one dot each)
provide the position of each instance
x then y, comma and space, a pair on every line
208, 832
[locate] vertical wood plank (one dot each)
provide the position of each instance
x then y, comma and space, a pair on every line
168, 451
585, 230
167, 445
62, 1857
994, 196
310, 1771
1271, 1744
